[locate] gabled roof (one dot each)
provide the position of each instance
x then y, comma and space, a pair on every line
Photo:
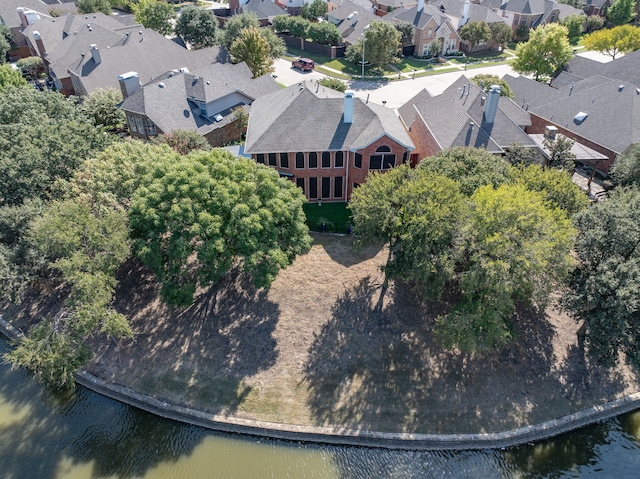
419, 18
477, 13
168, 99
9, 15
625, 68
309, 117
352, 28
456, 118
264, 9
612, 108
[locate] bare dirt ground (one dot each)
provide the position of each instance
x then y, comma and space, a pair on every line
323, 347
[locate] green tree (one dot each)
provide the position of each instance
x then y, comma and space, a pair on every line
515, 249
155, 15
91, 6
194, 219
102, 107
86, 245
546, 52
381, 45
486, 81
518, 155
613, 41
235, 25
605, 288
184, 141
10, 77
501, 33
621, 11
252, 48
44, 137
5, 46
471, 167
198, 27
593, 23
334, 84
299, 27
574, 24
560, 156
277, 47
417, 215
626, 167
316, 9
325, 33
555, 186
282, 23
406, 33
474, 33
30, 65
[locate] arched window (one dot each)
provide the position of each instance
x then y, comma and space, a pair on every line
300, 160
326, 159
339, 159
383, 149
383, 159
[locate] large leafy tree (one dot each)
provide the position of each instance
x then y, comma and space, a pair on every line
325, 33
102, 107
381, 44
252, 48
417, 214
560, 155
236, 24
316, 9
621, 11
471, 167
501, 33
154, 14
194, 218
91, 6
574, 24
406, 32
198, 27
44, 137
487, 80
474, 33
30, 65
626, 168
547, 51
10, 77
184, 141
605, 288
516, 248
614, 41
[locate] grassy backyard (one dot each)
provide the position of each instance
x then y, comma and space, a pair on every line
336, 217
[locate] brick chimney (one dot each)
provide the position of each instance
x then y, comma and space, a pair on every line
39, 43
234, 7
491, 106
347, 114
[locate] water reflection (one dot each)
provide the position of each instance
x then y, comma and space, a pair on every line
45, 435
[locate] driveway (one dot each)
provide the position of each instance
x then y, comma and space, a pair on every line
394, 93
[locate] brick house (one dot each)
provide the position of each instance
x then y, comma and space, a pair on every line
204, 101
324, 141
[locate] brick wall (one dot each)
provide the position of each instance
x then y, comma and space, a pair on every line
423, 140
225, 134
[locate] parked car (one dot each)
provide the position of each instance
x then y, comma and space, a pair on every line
304, 64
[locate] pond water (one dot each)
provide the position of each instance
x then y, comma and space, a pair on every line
44, 435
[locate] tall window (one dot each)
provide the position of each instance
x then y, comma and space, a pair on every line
260, 158
300, 183
313, 188
300, 160
326, 187
139, 125
151, 127
313, 160
284, 160
132, 123
337, 187
326, 159
358, 160
272, 159
339, 159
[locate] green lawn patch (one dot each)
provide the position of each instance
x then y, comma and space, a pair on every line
335, 216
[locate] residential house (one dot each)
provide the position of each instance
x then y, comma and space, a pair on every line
85, 52
386, 6
19, 14
530, 13
351, 20
598, 113
464, 115
596, 7
430, 25
265, 10
368, 5
204, 101
325, 141
626, 68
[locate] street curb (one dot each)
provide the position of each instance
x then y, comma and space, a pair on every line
352, 437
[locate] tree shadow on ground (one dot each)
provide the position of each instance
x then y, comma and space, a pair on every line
342, 251
198, 355
381, 367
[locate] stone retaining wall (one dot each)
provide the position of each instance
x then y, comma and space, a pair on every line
339, 436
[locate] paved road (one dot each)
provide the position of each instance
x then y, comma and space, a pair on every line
395, 93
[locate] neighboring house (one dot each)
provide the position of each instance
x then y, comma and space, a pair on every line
625, 68
385, 6
464, 115
265, 10
597, 112
429, 24
351, 20
367, 5
204, 101
19, 14
326, 142
596, 7
85, 52
530, 13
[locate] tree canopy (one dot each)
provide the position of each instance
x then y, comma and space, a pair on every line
474, 33
316, 9
605, 288
560, 155
236, 24
194, 218
10, 77
501, 33
486, 80
621, 11
614, 41
102, 107
546, 52
325, 33
252, 48
198, 27
574, 24
155, 15
626, 167
91, 6
382, 41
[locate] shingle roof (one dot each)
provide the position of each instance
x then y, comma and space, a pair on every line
308, 117
419, 18
477, 13
449, 117
263, 8
10, 17
166, 99
625, 68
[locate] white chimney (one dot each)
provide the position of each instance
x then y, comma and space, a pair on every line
129, 83
95, 54
492, 104
420, 5
347, 115
465, 14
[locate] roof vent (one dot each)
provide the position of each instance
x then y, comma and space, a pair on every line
580, 117
161, 85
638, 91
140, 32
351, 15
170, 74
218, 117
208, 82
620, 87
184, 70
